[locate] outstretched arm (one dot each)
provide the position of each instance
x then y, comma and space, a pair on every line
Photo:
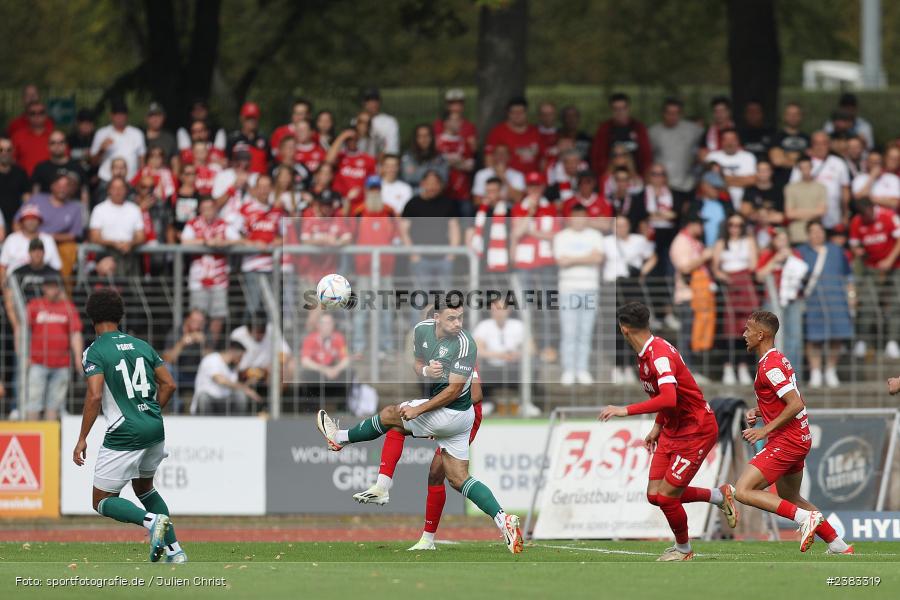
665, 399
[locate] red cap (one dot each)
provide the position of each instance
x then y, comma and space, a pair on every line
250, 110
535, 178
30, 211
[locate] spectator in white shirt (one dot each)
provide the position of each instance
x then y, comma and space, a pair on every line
217, 389
738, 166
498, 166
500, 340
628, 259
384, 127
832, 172
118, 225
880, 186
118, 140
15, 248
578, 250
394, 191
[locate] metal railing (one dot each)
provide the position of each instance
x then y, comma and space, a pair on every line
157, 308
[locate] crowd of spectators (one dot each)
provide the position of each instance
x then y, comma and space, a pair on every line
704, 219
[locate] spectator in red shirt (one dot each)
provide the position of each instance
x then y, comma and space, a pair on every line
301, 112
325, 361
321, 225
522, 138
459, 155
249, 134
598, 209
374, 224
621, 130
158, 170
55, 331
547, 131
32, 143
309, 152
30, 94
455, 105
352, 167
206, 170
875, 238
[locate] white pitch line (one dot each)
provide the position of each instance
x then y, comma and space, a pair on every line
600, 550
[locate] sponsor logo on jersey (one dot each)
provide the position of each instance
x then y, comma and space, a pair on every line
90, 368
124, 346
20, 462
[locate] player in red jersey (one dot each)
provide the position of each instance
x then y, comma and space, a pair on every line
788, 440
684, 432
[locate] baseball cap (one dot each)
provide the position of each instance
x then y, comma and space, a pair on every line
85, 115
454, 95
36, 244
250, 110
241, 151
585, 174
534, 178
30, 211
155, 108
118, 105
372, 93
373, 182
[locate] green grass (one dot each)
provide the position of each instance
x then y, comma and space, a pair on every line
464, 571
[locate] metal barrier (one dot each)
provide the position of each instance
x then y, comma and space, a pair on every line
157, 308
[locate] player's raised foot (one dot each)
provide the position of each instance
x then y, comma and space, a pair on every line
329, 429
674, 553
178, 557
422, 544
849, 550
158, 529
728, 505
373, 495
808, 529
512, 533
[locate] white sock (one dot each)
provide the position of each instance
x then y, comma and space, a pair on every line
343, 436
427, 536
500, 519
801, 516
685, 548
173, 548
384, 482
148, 520
716, 496
837, 545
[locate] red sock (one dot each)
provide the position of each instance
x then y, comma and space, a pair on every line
826, 532
786, 509
390, 452
695, 494
434, 506
676, 517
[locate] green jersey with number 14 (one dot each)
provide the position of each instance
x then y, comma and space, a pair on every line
133, 417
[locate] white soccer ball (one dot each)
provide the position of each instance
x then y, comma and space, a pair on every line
333, 291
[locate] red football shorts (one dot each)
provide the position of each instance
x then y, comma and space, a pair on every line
677, 461
776, 460
475, 425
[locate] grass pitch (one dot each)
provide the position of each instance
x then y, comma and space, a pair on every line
561, 569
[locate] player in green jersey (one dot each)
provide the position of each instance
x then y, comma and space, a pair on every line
128, 378
447, 353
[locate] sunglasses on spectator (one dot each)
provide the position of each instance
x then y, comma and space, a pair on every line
658, 173
735, 224
57, 141
188, 173
6, 149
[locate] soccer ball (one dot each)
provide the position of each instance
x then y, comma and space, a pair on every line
333, 291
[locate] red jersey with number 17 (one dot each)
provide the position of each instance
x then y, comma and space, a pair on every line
660, 363
775, 377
